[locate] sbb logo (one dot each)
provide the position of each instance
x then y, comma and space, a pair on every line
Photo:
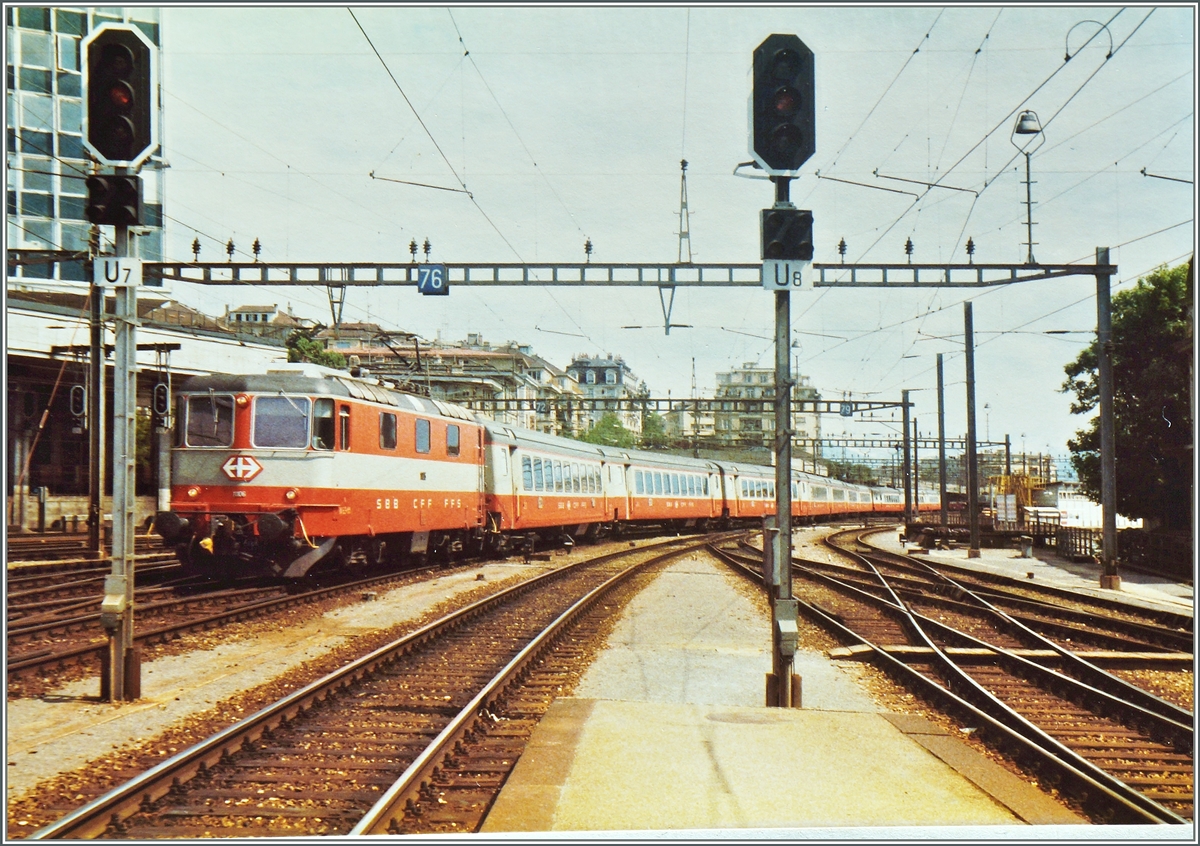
241, 468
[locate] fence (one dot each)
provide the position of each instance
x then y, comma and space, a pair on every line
1076, 542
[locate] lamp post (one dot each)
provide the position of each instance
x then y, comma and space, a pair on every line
1030, 129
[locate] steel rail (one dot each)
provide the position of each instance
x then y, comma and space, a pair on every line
77, 653
93, 819
384, 816
1126, 804
1183, 621
1087, 672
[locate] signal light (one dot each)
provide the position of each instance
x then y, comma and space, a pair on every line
787, 234
120, 119
114, 200
162, 400
78, 401
783, 105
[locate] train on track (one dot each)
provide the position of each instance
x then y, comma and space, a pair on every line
301, 467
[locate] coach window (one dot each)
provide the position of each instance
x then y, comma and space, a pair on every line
706, 486
422, 435
451, 440
558, 476
210, 420
387, 430
639, 485
281, 421
537, 474
527, 473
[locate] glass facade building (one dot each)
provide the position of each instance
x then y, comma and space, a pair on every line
45, 160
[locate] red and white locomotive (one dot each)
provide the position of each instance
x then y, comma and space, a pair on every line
276, 473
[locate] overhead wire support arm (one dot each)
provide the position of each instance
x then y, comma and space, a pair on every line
658, 275
879, 175
944, 275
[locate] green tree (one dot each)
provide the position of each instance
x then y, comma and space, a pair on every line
609, 432
1151, 356
301, 346
654, 432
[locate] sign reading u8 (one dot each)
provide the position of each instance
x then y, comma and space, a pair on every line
432, 279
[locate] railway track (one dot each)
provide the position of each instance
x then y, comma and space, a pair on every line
78, 641
1122, 752
35, 594
68, 547
416, 737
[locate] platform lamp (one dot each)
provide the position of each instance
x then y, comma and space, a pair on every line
1027, 137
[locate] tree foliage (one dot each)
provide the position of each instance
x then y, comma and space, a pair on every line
654, 432
301, 346
849, 471
1152, 408
609, 431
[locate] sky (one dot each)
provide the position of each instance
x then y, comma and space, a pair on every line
292, 125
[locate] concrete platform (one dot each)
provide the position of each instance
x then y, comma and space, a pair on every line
667, 733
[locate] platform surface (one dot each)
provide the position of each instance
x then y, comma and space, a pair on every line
667, 732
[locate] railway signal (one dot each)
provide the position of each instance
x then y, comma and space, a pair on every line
114, 200
783, 105
120, 122
787, 234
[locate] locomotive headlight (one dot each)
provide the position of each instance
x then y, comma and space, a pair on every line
242, 400
193, 492
291, 494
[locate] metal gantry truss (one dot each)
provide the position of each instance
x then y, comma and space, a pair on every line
658, 405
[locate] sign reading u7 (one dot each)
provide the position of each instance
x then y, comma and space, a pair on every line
432, 279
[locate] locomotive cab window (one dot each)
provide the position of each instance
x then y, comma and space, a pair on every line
344, 425
322, 434
210, 420
387, 430
451, 440
422, 444
281, 421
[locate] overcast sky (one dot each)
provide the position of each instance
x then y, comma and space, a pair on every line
570, 123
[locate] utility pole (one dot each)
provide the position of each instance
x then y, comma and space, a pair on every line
916, 436
785, 609
1108, 465
120, 123
782, 138
972, 457
943, 499
96, 426
116, 612
907, 464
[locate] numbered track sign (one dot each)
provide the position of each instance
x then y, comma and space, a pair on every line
110, 271
786, 275
433, 280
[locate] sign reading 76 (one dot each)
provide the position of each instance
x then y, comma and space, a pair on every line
432, 279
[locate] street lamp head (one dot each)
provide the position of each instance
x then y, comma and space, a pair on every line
1028, 123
